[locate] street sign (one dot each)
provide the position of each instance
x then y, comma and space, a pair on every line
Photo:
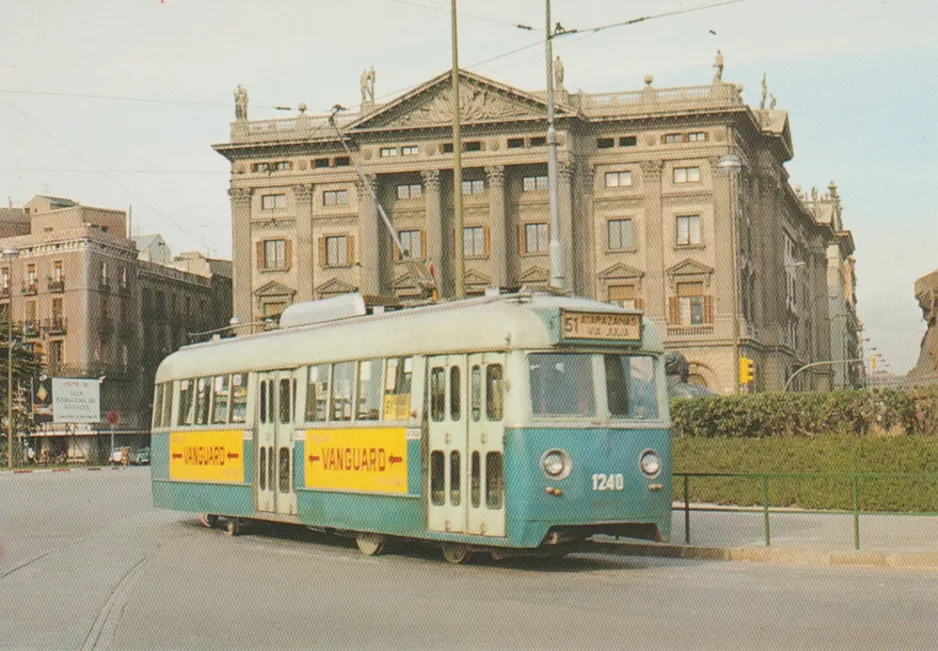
113, 417
76, 400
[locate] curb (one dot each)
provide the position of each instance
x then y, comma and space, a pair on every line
779, 556
27, 471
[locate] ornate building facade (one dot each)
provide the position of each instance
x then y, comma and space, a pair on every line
726, 264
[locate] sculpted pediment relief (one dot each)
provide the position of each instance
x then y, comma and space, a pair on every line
474, 277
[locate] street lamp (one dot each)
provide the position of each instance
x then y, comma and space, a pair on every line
732, 164
10, 253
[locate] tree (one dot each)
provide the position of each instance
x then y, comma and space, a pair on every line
27, 366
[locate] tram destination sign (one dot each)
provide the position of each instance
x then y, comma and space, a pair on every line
608, 326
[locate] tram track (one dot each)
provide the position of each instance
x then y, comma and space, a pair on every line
40, 557
105, 623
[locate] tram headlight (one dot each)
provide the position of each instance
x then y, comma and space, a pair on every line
556, 463
650, 463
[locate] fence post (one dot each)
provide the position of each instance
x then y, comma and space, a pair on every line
765, 509
856, 512
686, 510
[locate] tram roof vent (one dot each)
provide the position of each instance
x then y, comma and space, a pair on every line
344, 306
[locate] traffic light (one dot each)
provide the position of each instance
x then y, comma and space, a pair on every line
747, 370
873, 362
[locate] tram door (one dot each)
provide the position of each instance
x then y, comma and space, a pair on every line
466, 441
274, 446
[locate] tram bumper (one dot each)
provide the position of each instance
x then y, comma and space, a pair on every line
604, 488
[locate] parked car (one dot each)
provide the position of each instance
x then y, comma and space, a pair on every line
116, 455
142, 457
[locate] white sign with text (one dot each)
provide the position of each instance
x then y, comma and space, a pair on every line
76, 400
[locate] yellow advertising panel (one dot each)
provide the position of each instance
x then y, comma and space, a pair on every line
207, 456
370, 460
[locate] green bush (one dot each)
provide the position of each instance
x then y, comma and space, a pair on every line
836, 453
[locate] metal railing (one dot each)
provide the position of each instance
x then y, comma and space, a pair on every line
764, 479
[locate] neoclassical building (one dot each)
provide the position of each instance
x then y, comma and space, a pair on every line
726, 263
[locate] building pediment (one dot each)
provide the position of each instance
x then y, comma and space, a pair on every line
335, 286
474, 277
689, 267
404, 281
535, 275
482, 100
621, 271
273, 289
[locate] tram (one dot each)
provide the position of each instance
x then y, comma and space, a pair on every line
512, 423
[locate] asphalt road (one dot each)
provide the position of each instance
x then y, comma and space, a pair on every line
88, 563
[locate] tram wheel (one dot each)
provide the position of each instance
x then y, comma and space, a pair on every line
370, 544
209, 520
232, 526
456, 554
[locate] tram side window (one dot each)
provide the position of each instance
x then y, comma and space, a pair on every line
562, 384
397, 381
202, 397
437, 393
220, 392
239, 397
437, 478
455, 392
493, 480
167, 419
630, 385
157, 405
370, 373
494, 386
263, 401
186, 388
343, 381
317, 393
475, 393
286, 415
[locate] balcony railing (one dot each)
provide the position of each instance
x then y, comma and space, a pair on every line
31, 287
4, 293
57, 325
31, 328
57, 284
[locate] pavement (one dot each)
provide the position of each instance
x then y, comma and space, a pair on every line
898, 541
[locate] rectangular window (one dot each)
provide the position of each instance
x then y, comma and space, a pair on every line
317, 393
56, 271
473, 240
493, 480
283, 166
343, 382
167, 405
686, 174
409, 150
203, 397
618, 179
320, 163
628, 141
437, 479
397, 387
697, 136
411, 242
158, 406
561, 384
494, 386
341, 161
455, 393
476, 186
538, 141
671, 138
5, 279
409, 191
186, 388
605, 143
273, 201
261, 167
630, 386
337, 251
275, 254
620, 234
690, 299
688, 230
370, 378
437, 393
286, 412
387, 152
515, 143
531, 183
447, 148
472, 145
239, 397
335, 198
220, 394
535, 238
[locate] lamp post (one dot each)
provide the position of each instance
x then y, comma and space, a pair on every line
10, 253
732, 164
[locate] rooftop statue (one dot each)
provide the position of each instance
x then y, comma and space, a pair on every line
241, 103
718, 64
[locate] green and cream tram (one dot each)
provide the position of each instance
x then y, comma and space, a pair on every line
509, 422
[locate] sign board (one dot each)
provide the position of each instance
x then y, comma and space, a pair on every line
76, 400
609, 326
370, 460
215, 456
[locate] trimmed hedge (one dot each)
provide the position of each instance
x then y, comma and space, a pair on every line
828, 454
761, 415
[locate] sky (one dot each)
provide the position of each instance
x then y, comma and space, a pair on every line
116, 103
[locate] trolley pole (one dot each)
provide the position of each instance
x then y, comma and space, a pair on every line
556, 247
459, 271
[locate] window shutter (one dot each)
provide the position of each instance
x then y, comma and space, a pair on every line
487, 237
287, 255
350, 256
639, 303
708, 309
520, 238
674, 312
322, 252
424, 254
260, 255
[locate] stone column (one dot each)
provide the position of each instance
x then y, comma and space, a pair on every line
495, 175
369, 244
242, 254
656, 299
431, 193
565, 170
303, 247
584, 238
726, 271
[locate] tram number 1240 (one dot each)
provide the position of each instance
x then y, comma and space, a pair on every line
603, 482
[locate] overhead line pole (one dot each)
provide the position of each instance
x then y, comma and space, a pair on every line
459, 270
553, 198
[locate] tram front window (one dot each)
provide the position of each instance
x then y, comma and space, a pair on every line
562, 385
630, 386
